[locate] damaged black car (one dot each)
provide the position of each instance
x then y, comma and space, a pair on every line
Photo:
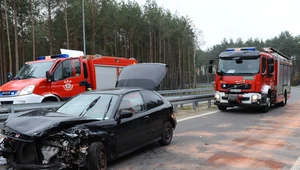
94, 127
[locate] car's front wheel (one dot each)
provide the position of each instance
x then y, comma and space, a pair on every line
97, 156
167, 135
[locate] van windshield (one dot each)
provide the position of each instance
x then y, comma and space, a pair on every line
34, 70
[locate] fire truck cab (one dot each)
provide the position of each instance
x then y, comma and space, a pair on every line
60, 77
250, 78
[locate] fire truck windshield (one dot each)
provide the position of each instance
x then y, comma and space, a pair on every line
238, 66
34, 70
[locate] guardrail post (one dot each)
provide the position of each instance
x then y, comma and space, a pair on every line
194, 105
175, 108
209, 103
12, 110
197, 104
181, 106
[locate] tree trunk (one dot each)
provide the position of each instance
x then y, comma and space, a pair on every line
154, 47
189, 67
150, 46
125, 45
179, 63
50, 26
3, 51
23, 46
194, 62
1, 54
75, 40
8, 39
93, 28
116, 48
16, 38
22, 59
66, 22
32, 30
131, 43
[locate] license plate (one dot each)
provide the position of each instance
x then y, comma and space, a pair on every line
235, 90
232, 97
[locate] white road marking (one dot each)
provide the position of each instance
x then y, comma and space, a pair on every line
192, 117
296, 165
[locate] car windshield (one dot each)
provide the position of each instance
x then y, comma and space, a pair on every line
238, 66
34, 70
99, 106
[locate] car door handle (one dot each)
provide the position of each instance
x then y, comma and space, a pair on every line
146, 118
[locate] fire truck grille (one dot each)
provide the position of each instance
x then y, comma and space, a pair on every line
236, 86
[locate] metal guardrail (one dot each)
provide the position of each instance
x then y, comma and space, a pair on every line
5, 110
187, 91
194, 99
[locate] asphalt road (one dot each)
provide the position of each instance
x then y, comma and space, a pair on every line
235, 139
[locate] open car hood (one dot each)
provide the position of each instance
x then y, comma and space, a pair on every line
36, 123
143, 75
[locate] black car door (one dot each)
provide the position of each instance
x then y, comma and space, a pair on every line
127, 135
157, 114
133, 131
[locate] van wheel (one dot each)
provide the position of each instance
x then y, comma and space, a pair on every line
167, 134
97, 156
222, 108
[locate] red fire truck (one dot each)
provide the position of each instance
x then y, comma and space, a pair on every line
248, 77
59, 77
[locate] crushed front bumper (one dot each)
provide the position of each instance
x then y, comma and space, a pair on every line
33, 166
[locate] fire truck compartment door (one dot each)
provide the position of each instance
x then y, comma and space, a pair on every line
106, 77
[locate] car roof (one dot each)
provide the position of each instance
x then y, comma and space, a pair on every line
116, 91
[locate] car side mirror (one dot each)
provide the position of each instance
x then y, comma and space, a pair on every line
210, 69
9, 76
124, 114
48, 76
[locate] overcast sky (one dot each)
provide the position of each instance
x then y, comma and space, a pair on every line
219, 19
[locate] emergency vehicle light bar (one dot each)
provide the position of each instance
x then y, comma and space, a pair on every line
241, 49
53, 56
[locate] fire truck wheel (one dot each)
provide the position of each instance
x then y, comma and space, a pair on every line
284, 102
266, 108
223, 108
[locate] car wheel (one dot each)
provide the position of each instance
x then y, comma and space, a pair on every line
167, 135
97, 156
222, 108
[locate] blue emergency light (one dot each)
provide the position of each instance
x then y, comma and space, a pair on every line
229, 49
241, 49
60, 56
41, 58
8, 93
53, 56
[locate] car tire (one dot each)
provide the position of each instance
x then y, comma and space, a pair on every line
97, 156
222, 108
167, 134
